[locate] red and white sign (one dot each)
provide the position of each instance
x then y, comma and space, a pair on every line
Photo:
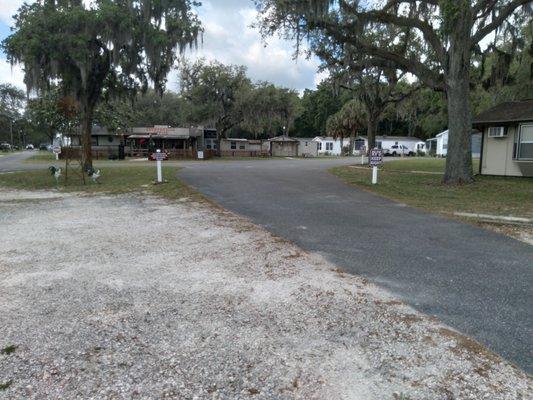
160, 129
56, 149
160, 156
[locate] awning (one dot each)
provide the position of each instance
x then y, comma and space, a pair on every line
162, 137
139, 137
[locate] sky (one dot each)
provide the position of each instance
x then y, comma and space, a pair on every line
228, 37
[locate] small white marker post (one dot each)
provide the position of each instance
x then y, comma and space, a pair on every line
375, 159
159, 170
57, 151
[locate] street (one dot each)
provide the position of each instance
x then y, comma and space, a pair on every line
14, 161
475, 280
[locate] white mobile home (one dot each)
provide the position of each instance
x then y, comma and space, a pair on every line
308, 147
331, 147
393, 145
439, 144
507, 139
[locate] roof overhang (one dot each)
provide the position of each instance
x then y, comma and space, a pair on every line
484, 124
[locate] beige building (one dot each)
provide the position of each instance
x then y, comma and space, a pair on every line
104, 143
236, 147
308, 147
507, 139
284, 146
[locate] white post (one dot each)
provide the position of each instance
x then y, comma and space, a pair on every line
362, 159
57, 156
374, 175
159, 171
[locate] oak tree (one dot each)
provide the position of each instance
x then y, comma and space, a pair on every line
110, 46
452, 31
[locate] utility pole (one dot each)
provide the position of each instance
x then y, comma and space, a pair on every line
11, 132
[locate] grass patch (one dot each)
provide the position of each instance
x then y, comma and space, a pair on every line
116, 180
8, 349
424, 164
41, 156
489, 195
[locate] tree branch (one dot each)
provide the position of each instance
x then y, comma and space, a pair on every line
504, 13
391, 3
427, 30
381, 58
403, 95
485, 5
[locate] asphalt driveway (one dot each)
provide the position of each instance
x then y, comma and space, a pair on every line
472, 279
14, 161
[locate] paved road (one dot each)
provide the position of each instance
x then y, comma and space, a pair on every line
14, 161
474, 280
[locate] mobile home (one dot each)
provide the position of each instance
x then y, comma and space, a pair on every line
392, 145
330, 146
506, 139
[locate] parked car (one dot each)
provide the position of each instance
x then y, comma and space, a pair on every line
30, 146
4, 146
398, 150
43, 146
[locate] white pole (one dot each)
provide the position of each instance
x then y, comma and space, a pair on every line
362, 159
374, 175
159, 171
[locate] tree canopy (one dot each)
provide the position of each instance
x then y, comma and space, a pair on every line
12, 102
109, 48
223, 96
448, 32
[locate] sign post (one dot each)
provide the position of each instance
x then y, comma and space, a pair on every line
159, 169
376, 158
56, 147
57, 151
159, 156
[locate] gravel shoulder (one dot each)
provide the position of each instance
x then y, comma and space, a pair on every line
133, 296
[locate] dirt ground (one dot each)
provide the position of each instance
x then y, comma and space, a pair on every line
132, 297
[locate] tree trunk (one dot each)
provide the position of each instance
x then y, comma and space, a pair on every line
459, 152
85, 138
221, 134
371, 132
51, 134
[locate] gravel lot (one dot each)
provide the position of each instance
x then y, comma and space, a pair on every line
134, 297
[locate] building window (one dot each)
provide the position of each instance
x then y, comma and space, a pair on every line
319, 146
524, 146
233, 145
329, 146
242, 146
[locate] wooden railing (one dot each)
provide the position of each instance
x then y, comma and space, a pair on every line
244, 153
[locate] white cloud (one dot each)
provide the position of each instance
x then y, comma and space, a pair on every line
13, 75
9, 8
228, 38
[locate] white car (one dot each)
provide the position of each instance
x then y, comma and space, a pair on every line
29, 147
398, 150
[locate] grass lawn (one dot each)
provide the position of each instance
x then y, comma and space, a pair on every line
487, 195
113, 181
424, 164
41, 156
